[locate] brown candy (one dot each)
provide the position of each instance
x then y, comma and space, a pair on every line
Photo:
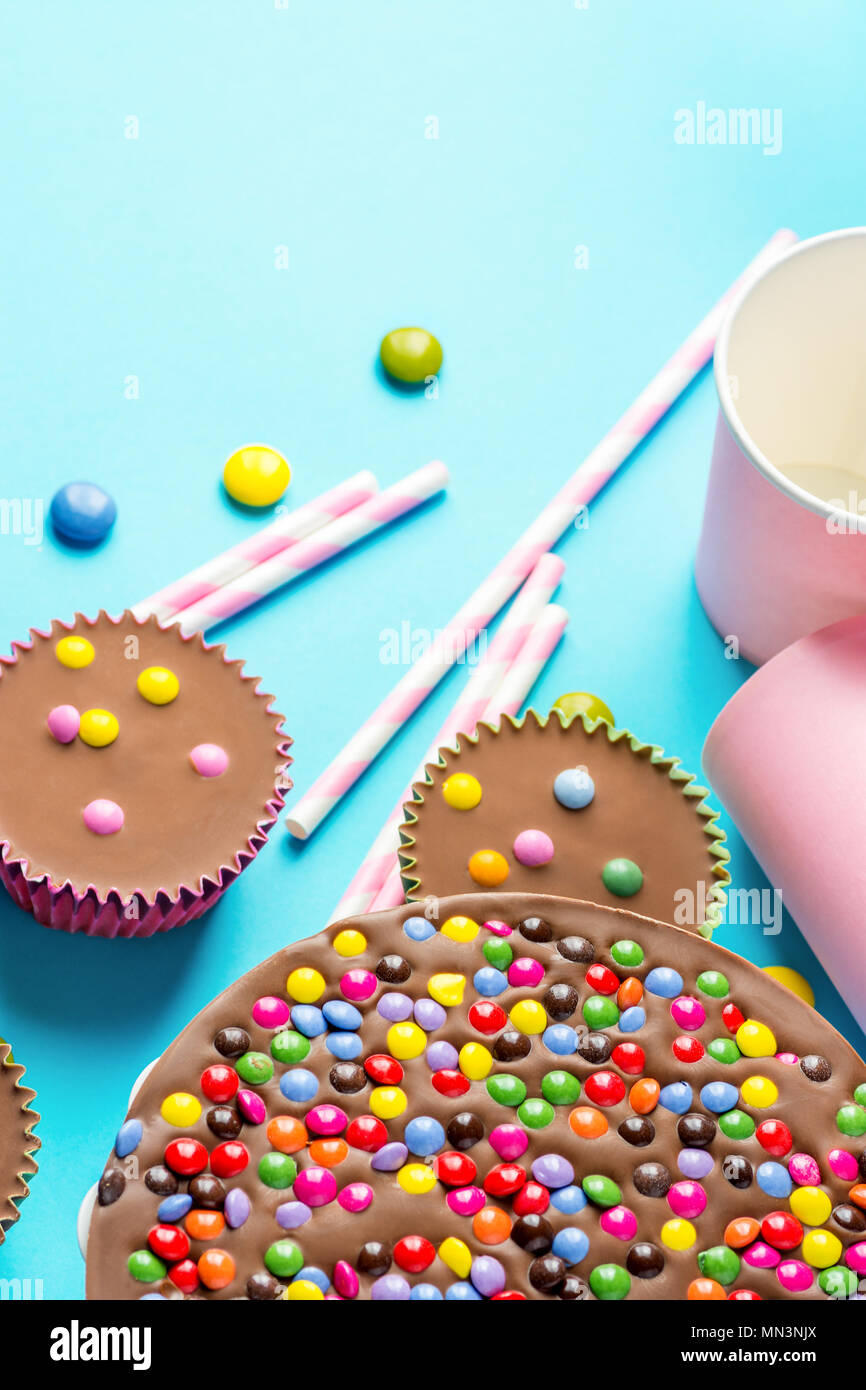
850, 1218
374, 1258
224, 1122
232, 1042
645, 1261
511, 1046
576, 949
546, 1273
263, 1286
535, 929
347, 1078
160, 1180
111, 1187
737, 1170
595, 1047
533, 1233
696, 1131
817, 1068
652, 1179
560, 1002
393, 970
207, 1191
464, 1130
637, 1130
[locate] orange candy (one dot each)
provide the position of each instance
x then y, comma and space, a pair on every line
706, 1290
488, 868
491, 1225
588, 1123
858, 1194
629, 993
204, 1225
644, 1095
216, 1269
742, 1231
286, 1134
327, 1153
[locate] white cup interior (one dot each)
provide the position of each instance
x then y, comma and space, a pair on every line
792, 370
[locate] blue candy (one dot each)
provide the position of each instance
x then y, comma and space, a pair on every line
462, 1293
128, 1138
309, 1020
424, 1136
719, 1096
418, 928
425, 1293
665, 982
174, 1208
299, 1084
82, 513
490, 982
568, 1199
341, 1014
561, 1039
676, 1097
632, 1019
346, 1046
315, 1275
773, 1179
571, 1244
574, 788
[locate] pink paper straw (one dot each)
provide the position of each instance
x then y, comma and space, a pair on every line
285, 530
514, 688
331, 540
556, 518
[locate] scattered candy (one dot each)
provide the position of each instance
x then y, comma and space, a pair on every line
74, 652
256, 476
63, 722
98, 728
582, 702
83, 513
410, 355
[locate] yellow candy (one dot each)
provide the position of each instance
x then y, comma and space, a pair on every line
447, 989
180, 1109
74, 652
406, 1040
792, 980
387, 1102
474, 1060
456, 1255
416, 1179
759, 1091
349, 943
305, 985
256, 476
98, 728
488, 867
462, 791
303, 1291
811, 1205
158, 685
528, 1016
755, 1039
678, 1234
460, 929
821, 1249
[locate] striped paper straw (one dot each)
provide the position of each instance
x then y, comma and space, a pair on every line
556, 518
334, 538
381, 858
277, 536
513, 690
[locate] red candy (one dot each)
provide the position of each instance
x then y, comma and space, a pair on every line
367, 1133
229, 1159
732, 1018
186, 1157
775, 1137
629, 1058
220, 1083
531, 1200
504, 1180
487, 1017
169, 1242
184, 1276
508, 1296
455, 1169
744, 1296
602, 979
604, 1088
450, 1083
414, 1254
781, 1230
687, 1049
384, 1070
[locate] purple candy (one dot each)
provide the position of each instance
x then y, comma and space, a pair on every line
487, 1275
291, 1215
695, 1163
395, 1007
442, 1056
429, 1015
390, 1288
236, 1208
389, 1158
552, 1170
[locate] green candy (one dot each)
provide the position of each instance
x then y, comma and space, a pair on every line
603, 1192
838, 1282
506, 1089
535, 1114
410, 354
720, 1262
560, 1088
622, 877
851, 1119
736, 1124
714, 983
283, 1259
255, 1068
144, 1266
498, 954
627, 953
724, 1050
860, 1094
277, 1170
600, 1012
610, 1283
289, 1047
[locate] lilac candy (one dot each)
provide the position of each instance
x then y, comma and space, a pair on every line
394, 1006
552, 1170
390, 1157
63, 723
429, 1015
695, 1163
390, 1288
487, 1275
442, 1056
291, 1215
236, 1207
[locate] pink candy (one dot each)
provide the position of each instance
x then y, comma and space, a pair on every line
252, 1107
789, 1058
209, 760
525, 973
804, 1170
688, 1013
63, 723
346, 1281
316, 1187
270, 1012
761, 1256
619, 1222
498, 928
533, 848
103, 817
509, 1142
687, 1199
855, 1257
794, 1275
358, 984
355, 1196
465, 1201
843, 1164
326, 1119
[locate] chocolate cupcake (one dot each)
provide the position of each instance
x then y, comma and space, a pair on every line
569, 807
522, 1097
18, 1143
140, 772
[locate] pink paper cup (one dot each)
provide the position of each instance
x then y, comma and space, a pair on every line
787, 756
783, 545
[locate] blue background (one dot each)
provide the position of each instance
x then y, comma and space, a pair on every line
303, 126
